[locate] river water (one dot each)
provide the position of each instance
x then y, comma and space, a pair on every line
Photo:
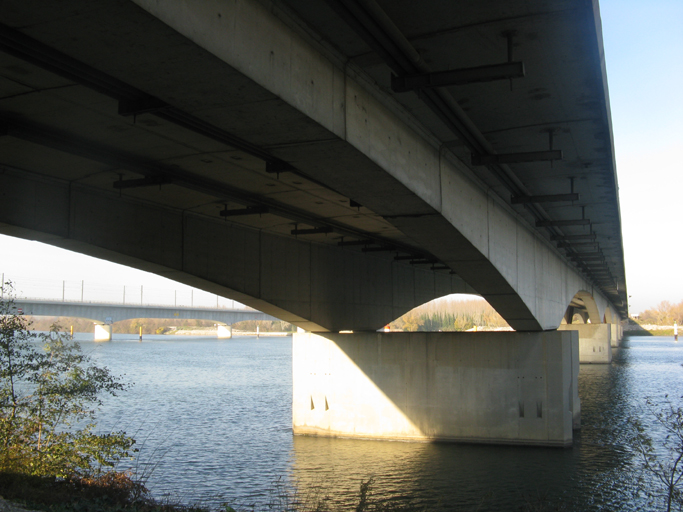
213, 421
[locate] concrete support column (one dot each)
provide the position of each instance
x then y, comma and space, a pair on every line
102, 332
614, 335
595, 344
507, 387
224, 332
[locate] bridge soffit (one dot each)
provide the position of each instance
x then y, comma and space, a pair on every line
336, 120
584, 304
415, 141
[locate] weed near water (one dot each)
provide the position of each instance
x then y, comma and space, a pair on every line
118, 492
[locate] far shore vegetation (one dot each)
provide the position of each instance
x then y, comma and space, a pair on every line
663, 313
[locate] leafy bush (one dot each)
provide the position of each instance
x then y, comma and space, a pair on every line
661, 462
49, 392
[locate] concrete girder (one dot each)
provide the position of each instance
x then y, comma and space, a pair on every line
280, 91
510, 388
316, 287
441, 208
588, 306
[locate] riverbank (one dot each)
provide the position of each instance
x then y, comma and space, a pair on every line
108, 492
635, 329
117, 492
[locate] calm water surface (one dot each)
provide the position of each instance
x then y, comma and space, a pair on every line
213, 419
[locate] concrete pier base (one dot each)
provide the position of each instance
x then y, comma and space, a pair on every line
595, 344
102, 332
224, 332
509, 388
614, 335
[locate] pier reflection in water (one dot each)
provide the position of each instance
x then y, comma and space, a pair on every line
221, 413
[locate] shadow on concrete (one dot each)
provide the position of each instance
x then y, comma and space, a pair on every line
504, 388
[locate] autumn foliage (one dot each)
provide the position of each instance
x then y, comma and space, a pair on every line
664, 313
450, 314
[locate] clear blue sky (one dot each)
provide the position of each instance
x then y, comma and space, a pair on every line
644, 55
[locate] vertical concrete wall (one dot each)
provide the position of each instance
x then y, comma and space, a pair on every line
614, 335
102, 332
594, 341
224, 332
511, 388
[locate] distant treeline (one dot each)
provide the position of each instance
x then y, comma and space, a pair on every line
154, 325
664, 313
264, 326
450, 315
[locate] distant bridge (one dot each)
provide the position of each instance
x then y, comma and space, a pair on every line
103, 315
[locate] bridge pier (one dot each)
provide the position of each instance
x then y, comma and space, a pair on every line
508, 388
595, 341
616, 334
224, 332
102, 332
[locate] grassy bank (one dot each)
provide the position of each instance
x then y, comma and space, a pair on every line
111, 492
118, 492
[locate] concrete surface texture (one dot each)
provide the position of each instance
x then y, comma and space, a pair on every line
102, 332
510, 388
595, 341
128, 144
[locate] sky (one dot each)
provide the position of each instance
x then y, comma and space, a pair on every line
644, 56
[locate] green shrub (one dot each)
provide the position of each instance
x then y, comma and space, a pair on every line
49, 392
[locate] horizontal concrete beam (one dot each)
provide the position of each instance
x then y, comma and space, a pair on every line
358, 141
316, 287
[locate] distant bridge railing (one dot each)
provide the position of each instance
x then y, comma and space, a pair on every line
73, 291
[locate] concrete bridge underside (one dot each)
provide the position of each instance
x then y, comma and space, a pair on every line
312, 160
197, 107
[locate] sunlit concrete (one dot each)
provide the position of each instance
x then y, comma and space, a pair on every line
510, 388
224, 332
595, 345
102, 332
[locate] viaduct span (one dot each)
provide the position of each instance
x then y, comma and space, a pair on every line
334, 164
103, 315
